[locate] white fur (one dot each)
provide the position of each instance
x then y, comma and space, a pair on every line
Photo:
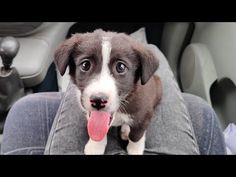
120, 119
104, 82
136, 148
95, 148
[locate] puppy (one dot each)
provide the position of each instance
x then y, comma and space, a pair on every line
115, 75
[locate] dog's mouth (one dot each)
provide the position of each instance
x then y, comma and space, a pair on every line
99, 123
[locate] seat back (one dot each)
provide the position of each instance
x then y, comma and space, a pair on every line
172, 42
208, 67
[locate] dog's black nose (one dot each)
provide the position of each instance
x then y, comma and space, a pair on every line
98, 101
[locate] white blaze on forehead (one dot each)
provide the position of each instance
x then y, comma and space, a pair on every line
106, 51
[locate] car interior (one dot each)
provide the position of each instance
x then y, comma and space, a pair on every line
200, 54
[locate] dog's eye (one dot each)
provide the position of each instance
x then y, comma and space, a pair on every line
121, 68
85, 65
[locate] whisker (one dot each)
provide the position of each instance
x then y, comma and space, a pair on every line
123, 104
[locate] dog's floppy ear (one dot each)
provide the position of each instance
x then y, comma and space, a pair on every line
63, 53
149, 62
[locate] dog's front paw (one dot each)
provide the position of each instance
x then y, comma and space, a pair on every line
136, 148
95, 148
124, 133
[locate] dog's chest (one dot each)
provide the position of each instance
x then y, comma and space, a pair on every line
121, 118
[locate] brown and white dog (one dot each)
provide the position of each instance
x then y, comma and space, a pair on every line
115, 75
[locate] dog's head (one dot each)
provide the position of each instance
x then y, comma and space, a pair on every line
106, 67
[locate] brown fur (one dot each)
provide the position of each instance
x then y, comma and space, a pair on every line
142, 101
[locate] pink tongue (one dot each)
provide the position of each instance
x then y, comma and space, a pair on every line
98, 125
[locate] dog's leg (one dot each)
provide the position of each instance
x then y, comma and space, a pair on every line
124, 132
136, 148
95, 148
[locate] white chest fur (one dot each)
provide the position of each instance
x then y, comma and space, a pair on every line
120, 119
